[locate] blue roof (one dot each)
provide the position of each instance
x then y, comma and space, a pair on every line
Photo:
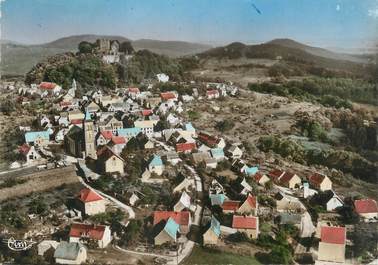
156, 161
217, 199
251, 170
217, 152
215, 226
32, 136
128, 132
189, 127
88, 116
171, 227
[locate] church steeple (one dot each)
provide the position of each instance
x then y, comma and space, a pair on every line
89, 137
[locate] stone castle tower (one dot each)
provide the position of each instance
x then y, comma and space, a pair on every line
89, 137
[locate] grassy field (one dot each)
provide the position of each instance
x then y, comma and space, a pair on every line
202, 256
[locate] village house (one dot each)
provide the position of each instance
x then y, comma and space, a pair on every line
152, 102
40, 138
133, 92
181, 218
146, 126
320, 182
156, 165
109, 162
162, 78
217, 199
90, 203
46, 245
92, 107
334, 202
117, 143
212, 94
217, 153
287, 218
168, 96
128, 133
183, 203
230, 206
366, 208
242, 187
100, 234
185, 147
29, 153
260, 178
184, 185
168, 233
246, 224
70, 253
286, 179
249, 206
50, 88
103, 137
212, 234
75, 115
234, 152
286, 203
332, 244
110, 124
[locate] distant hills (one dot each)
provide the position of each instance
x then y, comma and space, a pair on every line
294, 53
19, 58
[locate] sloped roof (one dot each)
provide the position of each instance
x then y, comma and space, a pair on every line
275, 173
156, 161
230, 205
244, 222
87, 195
118, 140
85, 230
316, 178
215, 226
32, 136
47, 85
366, 206
217, 199
185, 199
68, 251
286, 177
107, 134
171, 227
333, 234
24, 149
217, 152
167, 95
181, 218
252, 201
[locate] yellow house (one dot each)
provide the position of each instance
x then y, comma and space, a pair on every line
246, 224
320, 182
211, 236
290, 180
109, 162
249, 206
332, 244
75, 115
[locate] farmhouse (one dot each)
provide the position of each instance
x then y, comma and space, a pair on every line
100, 234
211, 236
90, 203
246, 224
332, 244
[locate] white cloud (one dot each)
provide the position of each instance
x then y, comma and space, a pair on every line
373, 13
338, 7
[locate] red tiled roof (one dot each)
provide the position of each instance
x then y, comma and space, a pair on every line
244, 222
257, 176
87, 195
230, 205
316, 179
181, 218
118, 140
212, 92
251, 200
133, 90
275, 174
47, 85
207, 139
366, 206
76, 121
286, 177
167, 95
83, 230
185, 147
333, 234
24, 149
65, 103
107, 134
146, 112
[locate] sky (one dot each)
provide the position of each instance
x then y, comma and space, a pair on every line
324, 23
